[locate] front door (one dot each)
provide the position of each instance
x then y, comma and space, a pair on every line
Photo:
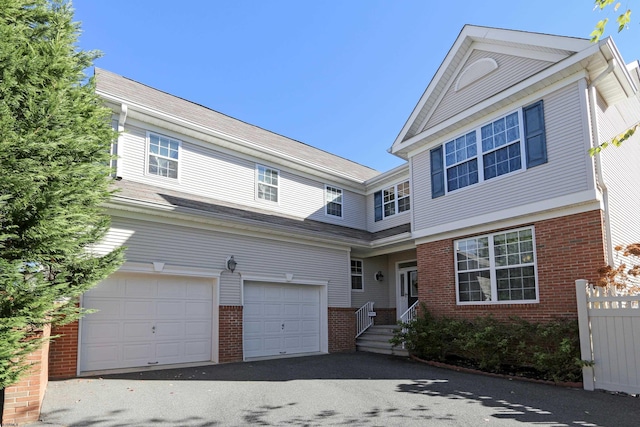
407, 287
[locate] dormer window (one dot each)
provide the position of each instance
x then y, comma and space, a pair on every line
267, 183
163, 155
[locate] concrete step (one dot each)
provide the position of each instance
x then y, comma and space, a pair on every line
376, 340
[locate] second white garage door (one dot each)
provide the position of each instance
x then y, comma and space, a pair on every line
145, 320
281, 319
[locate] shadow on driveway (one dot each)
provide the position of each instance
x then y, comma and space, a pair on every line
358, 389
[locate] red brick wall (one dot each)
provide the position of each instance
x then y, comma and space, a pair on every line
63, 353
385, 316
342, 330
567, 248
22, 400
230, 346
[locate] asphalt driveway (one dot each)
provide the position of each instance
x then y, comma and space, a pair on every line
357, 389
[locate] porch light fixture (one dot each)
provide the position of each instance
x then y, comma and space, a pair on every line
231, 264
379, 276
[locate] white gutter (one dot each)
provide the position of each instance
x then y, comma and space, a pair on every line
595, 141
122, 118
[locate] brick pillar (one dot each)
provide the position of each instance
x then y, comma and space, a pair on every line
342, 330
230, 344
22, 400
63, 354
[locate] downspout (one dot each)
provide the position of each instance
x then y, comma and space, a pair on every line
595, 141
122, 118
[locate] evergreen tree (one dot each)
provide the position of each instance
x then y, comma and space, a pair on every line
55, 136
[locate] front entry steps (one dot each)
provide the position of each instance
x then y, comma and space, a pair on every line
376, 340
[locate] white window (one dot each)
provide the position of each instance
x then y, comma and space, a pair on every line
500, 146
356, 275
164, 153
393, 200
267, 183
497, 268
333, 198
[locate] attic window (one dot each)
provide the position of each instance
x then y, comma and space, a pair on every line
475, 72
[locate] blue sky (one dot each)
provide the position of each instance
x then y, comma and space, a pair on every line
340, 75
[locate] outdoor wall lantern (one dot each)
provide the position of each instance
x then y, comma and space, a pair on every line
231, 264
379, 276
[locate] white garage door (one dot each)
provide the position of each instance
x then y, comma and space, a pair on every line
146, 320
281, 319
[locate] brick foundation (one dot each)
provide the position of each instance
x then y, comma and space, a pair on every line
342, 330
63, 353
385, 316
230, 345
567, 248
22, 400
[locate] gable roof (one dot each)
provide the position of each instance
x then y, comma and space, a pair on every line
476, 55
137, 96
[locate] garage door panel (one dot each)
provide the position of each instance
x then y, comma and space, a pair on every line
310, 326
107, 355
169, 330
140, 287
198, 309
105, 308
272, 327
199, 291
130, 308
137, 353
272, 310
136, 309
172, 290
200, 329
196, 349
133, 331
291, 310
272, 294
170, 309
252, 328
102, 332
272, 345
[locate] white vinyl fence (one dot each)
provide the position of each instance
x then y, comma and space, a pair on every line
609, 338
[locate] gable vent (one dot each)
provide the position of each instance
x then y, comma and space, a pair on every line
475, 72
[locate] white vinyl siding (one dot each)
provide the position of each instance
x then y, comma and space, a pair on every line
621, 172
565, 173
376, 291
193, 247
215, 174
511, 70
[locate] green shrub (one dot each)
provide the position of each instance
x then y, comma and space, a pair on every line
547, 350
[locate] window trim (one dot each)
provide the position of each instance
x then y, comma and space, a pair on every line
480, 154
327, 201
380, 204
258, 182
361, 274
492, 269
148, 154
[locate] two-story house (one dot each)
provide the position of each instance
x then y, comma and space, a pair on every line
245, 244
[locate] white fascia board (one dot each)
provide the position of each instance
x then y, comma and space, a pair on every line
225, 139
460, 40
621, 72
573, 44
548, 72
560, 206
146, 211
396, 175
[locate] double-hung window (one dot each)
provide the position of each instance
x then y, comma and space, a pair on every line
497, 268
333, 199
164, 153
496, 148
267, 183
356, 275
392, 200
